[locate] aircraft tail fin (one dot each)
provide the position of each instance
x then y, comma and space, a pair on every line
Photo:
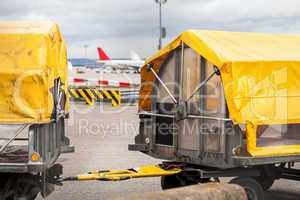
102, 55
134, 56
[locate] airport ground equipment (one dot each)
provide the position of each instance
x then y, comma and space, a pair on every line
164, 169
33, 103
92, 94
225, 104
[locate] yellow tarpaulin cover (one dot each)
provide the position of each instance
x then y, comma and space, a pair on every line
33, 55
260, 73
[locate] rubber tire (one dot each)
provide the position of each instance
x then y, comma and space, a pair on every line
179, 180
172, 181
253, 188
265, 182
205, 180
20, 187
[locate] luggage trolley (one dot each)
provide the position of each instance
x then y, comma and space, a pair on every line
34, 108
223, 104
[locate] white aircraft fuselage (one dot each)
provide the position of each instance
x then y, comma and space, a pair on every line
121, 63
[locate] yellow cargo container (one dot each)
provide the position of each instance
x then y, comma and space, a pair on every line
33, 57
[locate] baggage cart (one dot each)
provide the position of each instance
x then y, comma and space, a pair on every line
34, 108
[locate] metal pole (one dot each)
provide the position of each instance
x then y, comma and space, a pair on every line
160, 24
13, 138
164, 85
160, 2
86, 46
216, 72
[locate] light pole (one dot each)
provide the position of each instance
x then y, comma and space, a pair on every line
86, 46
162, 30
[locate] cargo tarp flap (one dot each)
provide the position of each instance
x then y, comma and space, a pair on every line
260, 74
32, 56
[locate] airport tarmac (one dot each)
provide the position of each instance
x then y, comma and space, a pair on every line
100, 135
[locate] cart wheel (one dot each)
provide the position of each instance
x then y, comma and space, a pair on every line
205, 180
172, 181
180, 180
253, 189
265, 182
23, 187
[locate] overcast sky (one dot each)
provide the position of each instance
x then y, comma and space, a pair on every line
122, 26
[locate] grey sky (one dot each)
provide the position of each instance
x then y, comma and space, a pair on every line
121, 26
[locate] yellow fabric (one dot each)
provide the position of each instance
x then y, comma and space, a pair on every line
260, 74
267, 151
33, 55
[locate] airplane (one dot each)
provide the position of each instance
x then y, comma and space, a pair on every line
135, 63
80, 65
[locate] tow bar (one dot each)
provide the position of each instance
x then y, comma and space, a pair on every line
120, 175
